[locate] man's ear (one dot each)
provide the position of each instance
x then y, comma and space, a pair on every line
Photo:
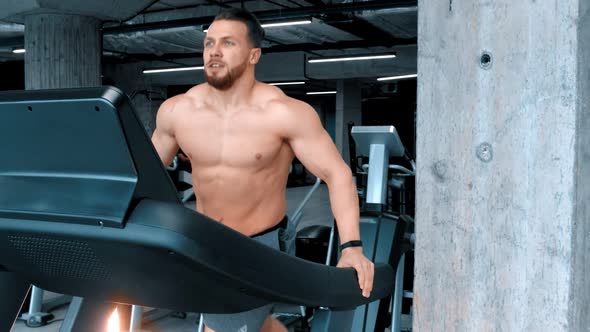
255, 54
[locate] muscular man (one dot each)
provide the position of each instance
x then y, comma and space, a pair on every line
241, 136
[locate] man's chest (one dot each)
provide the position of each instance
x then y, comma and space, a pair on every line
239, 140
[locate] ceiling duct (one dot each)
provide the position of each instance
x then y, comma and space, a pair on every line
266, 15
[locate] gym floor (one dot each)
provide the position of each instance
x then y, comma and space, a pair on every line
316, 212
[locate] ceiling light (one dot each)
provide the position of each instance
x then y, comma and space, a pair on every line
279, 24
287, 83
284, 24
18, 51
390, 78
322, 93
352, 58
168, 70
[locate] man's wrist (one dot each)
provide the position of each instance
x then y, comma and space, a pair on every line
351, 244
352, 250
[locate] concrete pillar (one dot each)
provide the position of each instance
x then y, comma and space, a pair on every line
62, 51
503, 153
348, 109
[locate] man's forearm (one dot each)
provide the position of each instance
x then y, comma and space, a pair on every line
345, 207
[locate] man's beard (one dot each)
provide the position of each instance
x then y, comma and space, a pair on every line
227, 81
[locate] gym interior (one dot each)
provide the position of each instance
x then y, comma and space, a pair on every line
463, 125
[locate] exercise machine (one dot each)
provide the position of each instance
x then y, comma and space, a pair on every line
87, 209
380, 143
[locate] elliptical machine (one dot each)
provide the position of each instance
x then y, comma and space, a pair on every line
379, 221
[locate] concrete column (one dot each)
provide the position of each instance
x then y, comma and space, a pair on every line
63, 51
348, 109
503, 153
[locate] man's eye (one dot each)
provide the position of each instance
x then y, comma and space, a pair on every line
208, 44
229, 43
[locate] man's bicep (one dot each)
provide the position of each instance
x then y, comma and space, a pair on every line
165, 145
163, 138
314, 147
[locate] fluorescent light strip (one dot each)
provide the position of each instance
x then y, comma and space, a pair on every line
286, 83
280, 24
390, 78
353, 58
322, 93
18, 51
168, 70
284, 24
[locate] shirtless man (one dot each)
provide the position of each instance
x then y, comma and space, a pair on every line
241, 136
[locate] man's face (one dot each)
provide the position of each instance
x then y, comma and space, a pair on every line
226, 52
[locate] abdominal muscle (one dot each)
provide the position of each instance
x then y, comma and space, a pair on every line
245, 201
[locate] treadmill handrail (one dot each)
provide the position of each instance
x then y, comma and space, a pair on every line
176, 238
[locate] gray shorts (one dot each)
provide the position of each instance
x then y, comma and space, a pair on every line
281, 238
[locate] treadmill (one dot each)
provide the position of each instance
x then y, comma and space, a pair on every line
87, 209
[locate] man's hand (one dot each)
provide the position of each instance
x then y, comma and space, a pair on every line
365, 269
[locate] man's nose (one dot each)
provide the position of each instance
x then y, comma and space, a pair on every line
215, 51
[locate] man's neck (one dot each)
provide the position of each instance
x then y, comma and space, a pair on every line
239, 93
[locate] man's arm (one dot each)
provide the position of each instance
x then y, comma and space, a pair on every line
314, 148
163, 137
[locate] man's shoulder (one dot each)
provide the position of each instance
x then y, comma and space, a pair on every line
197, 91
275, 100
189, 99
289, 108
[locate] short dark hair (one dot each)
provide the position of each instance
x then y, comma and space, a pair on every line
255, 30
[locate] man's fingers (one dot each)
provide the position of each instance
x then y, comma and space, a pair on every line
365, 272
367, 284
369, 268
360, 275
372, 274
